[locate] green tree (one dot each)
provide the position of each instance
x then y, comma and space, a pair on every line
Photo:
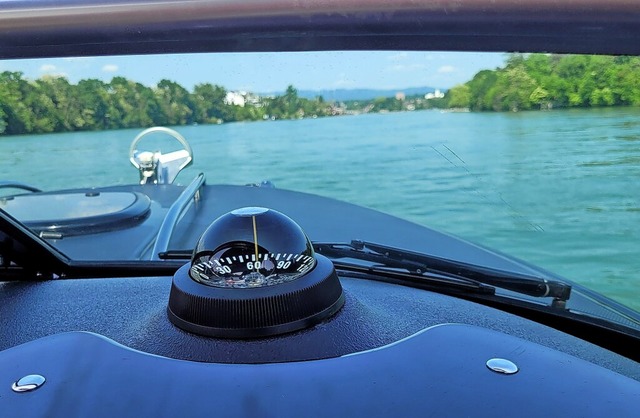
291, 101
545, 81
3, 122
133, 105
14, 92
208, 104
56, 93
602, 97
175, 103
95, 104
459, 96
481, 90
540, 97
515, 88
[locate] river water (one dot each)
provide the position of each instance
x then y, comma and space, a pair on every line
559, 189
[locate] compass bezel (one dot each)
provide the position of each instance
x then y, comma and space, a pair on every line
259, 311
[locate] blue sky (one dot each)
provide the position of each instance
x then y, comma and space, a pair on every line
272, 72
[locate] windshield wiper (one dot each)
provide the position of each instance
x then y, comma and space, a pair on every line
432, 281
417, 267
417, 263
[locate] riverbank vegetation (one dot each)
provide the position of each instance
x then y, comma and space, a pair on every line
52, 104
544, 81
526, 82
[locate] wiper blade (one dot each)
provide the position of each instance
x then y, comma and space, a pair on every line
418, 263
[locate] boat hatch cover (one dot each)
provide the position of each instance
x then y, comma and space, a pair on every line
76, 213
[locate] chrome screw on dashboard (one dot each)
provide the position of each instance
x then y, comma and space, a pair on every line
502, 366
28, 383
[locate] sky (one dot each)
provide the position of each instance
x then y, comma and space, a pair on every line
273, 72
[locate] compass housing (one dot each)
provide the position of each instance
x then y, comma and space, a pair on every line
253, 274
251, 247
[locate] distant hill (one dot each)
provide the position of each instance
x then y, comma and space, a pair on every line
341, 95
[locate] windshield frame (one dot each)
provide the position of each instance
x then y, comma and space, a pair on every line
96, 27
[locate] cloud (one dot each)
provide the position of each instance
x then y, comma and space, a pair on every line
110, 68
48, 68
404, 68
447, 69
78, 59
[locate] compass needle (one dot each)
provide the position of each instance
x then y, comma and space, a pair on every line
255, 240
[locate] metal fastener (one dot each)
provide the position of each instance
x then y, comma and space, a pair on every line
503, 366
28, 383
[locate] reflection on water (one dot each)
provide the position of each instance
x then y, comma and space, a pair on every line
618, 161
559, 189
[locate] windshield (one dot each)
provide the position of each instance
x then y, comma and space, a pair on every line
535, 156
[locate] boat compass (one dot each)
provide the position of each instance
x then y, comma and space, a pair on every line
253, 274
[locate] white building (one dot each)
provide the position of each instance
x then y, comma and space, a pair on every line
437, 94
235, 98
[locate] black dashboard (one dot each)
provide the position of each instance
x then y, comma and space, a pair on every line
106, 347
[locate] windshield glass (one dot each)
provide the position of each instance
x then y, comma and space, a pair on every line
533, 155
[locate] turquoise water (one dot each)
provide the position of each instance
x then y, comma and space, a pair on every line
559, 189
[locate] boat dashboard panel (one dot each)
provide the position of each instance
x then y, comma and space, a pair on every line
443, 370
133, 312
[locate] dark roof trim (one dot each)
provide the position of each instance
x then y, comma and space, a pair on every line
45, 28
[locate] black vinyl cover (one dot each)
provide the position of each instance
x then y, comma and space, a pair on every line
440, 371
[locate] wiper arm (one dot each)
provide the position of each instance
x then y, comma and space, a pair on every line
175, 255
449, 282
418, 263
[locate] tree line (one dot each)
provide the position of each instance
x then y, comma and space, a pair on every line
52, 104
533, 81
544, 81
